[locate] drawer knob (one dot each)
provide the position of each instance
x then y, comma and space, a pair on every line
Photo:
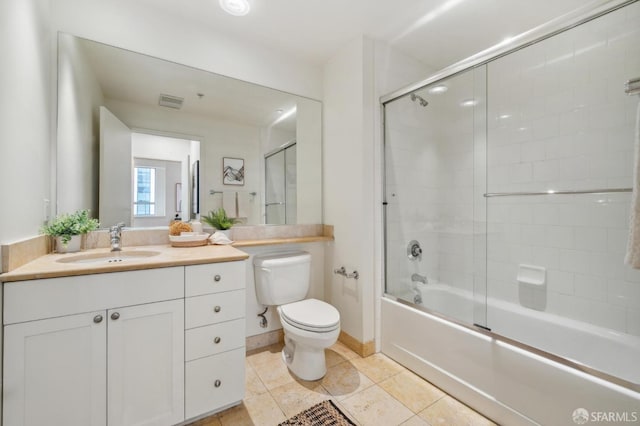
97, 319
115, 316
217, 309
216, 340
217, 383
217, 278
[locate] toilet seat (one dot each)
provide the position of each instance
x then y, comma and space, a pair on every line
311, 315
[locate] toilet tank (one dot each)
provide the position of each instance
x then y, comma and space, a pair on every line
282, 278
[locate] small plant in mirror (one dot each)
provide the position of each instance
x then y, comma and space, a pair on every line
67, 225
219, 219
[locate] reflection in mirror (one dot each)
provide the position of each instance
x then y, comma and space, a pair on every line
131, 128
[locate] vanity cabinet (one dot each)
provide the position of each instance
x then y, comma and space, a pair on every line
214, 336
81, 350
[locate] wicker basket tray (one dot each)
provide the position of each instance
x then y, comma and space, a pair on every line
189, 240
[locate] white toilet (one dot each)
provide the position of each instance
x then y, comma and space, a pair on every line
310, 325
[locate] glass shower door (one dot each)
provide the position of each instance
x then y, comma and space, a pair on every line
281, 186
435, 178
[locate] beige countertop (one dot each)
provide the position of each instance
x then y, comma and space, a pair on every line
49, 266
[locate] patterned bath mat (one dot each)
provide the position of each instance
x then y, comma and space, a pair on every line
324, 414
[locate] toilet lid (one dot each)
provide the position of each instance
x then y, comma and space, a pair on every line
311, 314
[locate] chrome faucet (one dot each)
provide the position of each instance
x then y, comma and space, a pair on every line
419, 278
115, 233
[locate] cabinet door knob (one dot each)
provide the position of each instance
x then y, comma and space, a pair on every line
217, 309
217, 278
217, 383
216, 340
97, 319
115, 316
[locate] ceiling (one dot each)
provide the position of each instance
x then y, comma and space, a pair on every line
436, 32
140, 79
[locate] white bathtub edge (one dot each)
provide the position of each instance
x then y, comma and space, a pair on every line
504, 384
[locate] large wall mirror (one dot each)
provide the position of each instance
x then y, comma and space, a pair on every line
137, 134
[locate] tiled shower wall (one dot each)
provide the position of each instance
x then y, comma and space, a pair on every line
559, 119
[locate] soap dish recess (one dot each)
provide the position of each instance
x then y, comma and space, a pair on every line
532, 275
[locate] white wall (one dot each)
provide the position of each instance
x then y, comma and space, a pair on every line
309, 162
26, 114
344, 193
143, 29
78, 139
355, 78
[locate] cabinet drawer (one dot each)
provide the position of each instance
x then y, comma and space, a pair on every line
214, 382
214, 278
55, 297
214, 308
214, 339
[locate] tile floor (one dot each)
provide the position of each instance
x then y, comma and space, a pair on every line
372, 391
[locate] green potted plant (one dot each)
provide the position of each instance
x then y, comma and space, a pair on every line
68, 228
219, 219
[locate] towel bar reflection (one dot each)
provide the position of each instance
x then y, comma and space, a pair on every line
342, 271
213, 192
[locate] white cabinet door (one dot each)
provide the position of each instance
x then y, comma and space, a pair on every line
146, 364
55, 372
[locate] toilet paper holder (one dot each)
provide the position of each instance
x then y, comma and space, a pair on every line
342, 271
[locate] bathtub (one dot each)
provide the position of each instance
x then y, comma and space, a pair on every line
505, 380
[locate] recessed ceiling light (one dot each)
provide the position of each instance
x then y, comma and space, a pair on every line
469, 103
440, 88
235, 7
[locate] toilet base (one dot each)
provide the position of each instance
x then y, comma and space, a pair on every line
307, 363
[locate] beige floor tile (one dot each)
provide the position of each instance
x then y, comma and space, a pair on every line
253, 384
264, 355
344, 380
346, 412
342, 350
298, 396
235, 416
377, 367
448, 411
414, 392
270, 367
374, 407
333, 358
416, 421
207, 421
262, 410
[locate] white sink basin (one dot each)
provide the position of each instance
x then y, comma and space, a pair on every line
110, 257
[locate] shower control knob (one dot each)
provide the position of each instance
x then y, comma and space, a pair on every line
414, 251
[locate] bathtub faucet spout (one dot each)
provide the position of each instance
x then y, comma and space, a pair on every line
419, 278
